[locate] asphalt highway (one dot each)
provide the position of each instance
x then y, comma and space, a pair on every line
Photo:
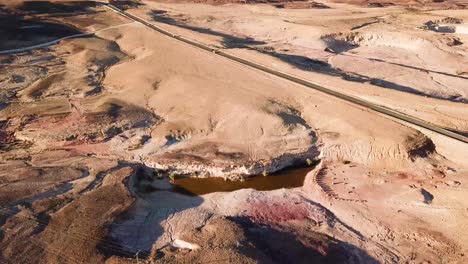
377, 108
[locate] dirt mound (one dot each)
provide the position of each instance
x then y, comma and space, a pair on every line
345, 41
86, 124
250, 243
452, 41
300, 5
342, 42
18, 32
48, 6
427, 4
42, 181
126, 4
434, 26
419, 146
109, 120
288, 4
450, 20
445, 25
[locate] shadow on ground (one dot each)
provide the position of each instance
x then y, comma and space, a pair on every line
300, 62
47, 7
228, 41
19, 29
137, 229
287, 246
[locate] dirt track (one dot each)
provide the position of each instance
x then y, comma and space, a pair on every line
94, 132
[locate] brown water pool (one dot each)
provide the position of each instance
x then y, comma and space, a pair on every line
290, 178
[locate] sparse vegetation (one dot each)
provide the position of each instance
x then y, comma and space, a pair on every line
156, 85
172, 176
159, 158
460, 72
159, 175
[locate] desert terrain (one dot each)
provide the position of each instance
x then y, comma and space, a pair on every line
128, 134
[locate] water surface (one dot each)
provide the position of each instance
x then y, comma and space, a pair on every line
289, 178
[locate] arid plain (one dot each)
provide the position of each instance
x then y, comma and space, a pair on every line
119, 144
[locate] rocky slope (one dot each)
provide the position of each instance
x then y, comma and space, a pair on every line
97, 132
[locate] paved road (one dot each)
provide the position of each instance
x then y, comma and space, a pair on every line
44, 45
378, 108
55, 41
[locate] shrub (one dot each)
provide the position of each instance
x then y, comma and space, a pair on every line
172, 176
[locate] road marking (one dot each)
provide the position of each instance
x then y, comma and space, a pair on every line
377, 108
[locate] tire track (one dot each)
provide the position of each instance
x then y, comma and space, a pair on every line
319, 179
